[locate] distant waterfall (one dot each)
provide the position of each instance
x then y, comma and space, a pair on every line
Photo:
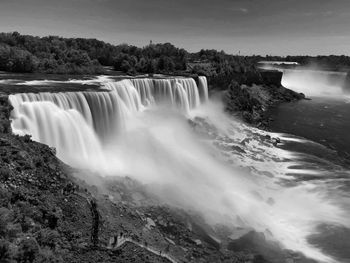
78, 123
315, 83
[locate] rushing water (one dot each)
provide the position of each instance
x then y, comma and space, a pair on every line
228, 171
324, 121
315, 82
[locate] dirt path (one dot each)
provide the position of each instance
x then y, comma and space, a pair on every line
123, 240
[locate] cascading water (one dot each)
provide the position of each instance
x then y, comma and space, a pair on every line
315, 82
180, 92
103, 113
203, 88
131, 130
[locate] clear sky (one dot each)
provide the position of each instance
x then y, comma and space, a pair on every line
276, 27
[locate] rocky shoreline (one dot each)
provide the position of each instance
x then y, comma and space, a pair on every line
251, 103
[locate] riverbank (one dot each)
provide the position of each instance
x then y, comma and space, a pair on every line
251, 103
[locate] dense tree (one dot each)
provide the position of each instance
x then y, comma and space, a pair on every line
17, 60
53, 54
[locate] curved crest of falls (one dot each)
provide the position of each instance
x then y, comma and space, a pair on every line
218, 166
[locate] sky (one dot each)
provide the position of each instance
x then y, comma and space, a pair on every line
261, 27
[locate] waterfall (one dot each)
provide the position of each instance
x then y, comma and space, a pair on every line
79, 123
179, 92
132, 129
203, 88
315, 82
65, 130
102, 111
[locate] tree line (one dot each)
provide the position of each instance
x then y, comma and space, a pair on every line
53, 54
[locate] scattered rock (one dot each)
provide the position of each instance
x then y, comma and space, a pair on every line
197, 242
150, 223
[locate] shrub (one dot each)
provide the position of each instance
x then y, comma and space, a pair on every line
47, 256
5, 255
5, 196
5, 174
48, 238
13, 230
5, 218
28, 250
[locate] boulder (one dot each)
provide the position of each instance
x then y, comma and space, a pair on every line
150, 223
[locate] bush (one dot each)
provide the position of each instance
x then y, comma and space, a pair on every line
47, 256
47, 238
27, 138
5, 218
5, 254
5, 196
28, 250
5, 174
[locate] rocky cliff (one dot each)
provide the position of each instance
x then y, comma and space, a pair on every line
271, 77
251, 102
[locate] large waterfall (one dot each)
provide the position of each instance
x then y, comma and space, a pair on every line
315, 82
76, 123
140, 128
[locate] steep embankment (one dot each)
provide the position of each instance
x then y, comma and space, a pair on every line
251, 102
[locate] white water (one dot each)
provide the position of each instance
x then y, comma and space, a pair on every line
140, 129
44, 82
315, 83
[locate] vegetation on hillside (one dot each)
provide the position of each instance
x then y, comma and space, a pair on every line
53, 54
20, 53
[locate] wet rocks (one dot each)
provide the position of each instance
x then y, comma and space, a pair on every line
237, 149
276, 141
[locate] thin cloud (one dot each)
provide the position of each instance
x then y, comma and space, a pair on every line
240, 10
326, 13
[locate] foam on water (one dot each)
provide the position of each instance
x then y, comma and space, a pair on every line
315, 83
94, 81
